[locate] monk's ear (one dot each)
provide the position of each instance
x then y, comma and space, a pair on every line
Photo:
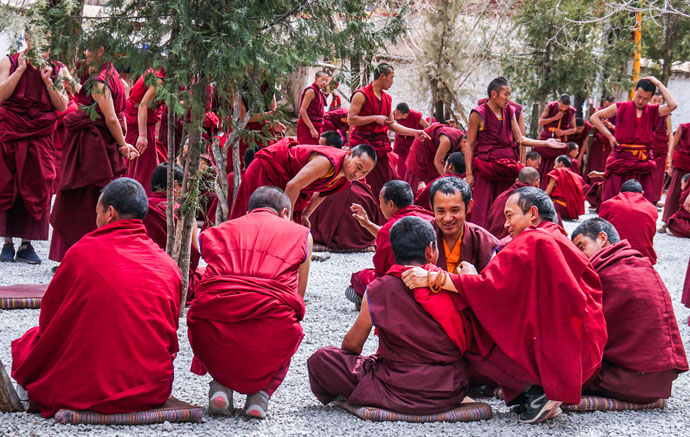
285, 213
431, 253
603, 239
470, 205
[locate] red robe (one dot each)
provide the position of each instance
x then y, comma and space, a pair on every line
113, 308
644, 352
336, 120
630, 159
635, 220
681, 166
402, 143
90, 160
277, 164
497, 218
315, 114
59, 139
420, 161
679, 223
249, 292
549, 324
581, 138
598, 152
568, 190
478, 246
660, 152
27, 160
549, 155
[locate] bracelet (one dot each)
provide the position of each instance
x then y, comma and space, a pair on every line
436, 285
445, 277
428, 278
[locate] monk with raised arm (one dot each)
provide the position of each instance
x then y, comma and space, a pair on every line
311, 110
412, 119
528, 177
663, 141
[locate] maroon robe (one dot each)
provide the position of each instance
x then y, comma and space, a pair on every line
581, 138
660, 152
497, 218
685, 298
681, 166
422, 197
113, 306
315, 114
420, 161
249, 291
27, 159
567, 195
631, 158
679, 223
90, 161
402, 143
598, 152
549, 155
336, 120
635, 220
478, 246
59, 139
644, 353
416, 370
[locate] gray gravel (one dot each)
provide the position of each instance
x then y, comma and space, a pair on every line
295, 411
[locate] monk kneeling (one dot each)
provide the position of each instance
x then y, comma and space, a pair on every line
418, 369
644, 353
113, 307
244, 321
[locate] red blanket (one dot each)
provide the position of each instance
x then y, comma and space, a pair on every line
569, 188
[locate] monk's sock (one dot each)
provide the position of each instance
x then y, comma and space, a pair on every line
7, 255
352, 295
537, 408
27, 254
219, 399
257, 405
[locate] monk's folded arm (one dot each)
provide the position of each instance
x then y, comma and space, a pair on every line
306, 101
603, 114
357, 335
353, 117
545, 119
572, 129
58, 98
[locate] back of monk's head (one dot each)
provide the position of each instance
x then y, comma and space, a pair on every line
563, 159
403, 108
398, 192
631, 185
270, 197
248, 158
533, 155
533, 196
591, 228
127, 197
565, 99
364, 149
497, 85
333, 139
684, 179
572, 146
646, 85
159, 177
529, 176
609, 99
457, 160
451, 185
579, 121
410, 237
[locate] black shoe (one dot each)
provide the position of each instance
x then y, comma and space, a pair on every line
7, 255
537, 408
352, 296
27, 254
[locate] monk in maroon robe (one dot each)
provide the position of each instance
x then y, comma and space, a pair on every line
528, 177
427, 158
679, 223
678, 165
454, 166
412, 119
417, 369
94, 154
28, 105
558, 121
582, 130
59, 139
644, 353
565, 189
631, 157
336, 120
663, 141
311, 110
113, 307
253, 287
600, 149
633, 217
491, 155
371, 115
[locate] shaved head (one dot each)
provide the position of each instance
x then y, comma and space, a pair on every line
529, 176
271, 197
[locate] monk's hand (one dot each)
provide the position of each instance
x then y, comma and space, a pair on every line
381, 119
467, 269
142, 143
652, 79
46, 71
128, 151
359, 214
416, 277
595, 174
613, 141
305, 221
21, 63
279, 127
469, 179
553, 143
422, 136
422, 185
314, 134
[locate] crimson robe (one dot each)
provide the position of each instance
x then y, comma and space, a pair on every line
420, 161
315, 114
478, 246
644, 352
27, 159
685, 298
635, 220
660, 153
249, 292
549, 155
568, 190
598, 152
59, 138
681, 166
497, 218
112, 308
679, 223
402, 143
336, 120
581, 138
538, 302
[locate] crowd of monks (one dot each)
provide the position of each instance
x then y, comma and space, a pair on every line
470, 249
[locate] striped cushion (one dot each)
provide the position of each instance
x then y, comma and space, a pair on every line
173, 410
17, 303
468, 412
21, 296
321, 248
596, 403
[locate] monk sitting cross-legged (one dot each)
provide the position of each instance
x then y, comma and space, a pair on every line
107, 332
528, 177
565, 188
244, 323
644, 353
418, 369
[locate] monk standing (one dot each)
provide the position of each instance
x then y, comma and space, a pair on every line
311, 110
371, 115
565, 189
28, 105
113, 306
644, 353
635, 121
663, 141
427, 158
678, 165
258, 266
491, 155
528, 177
558, 121
412, 119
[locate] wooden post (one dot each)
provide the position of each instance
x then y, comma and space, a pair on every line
9, 400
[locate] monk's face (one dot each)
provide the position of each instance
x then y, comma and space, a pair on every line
573, 153
516, 220
641, 98
588, 246
105, 215
450, 212
357, 168
322, 81
534, 163
563, 107
501, 97
388, 208
387, 80
657, 100
607, 103
399, 115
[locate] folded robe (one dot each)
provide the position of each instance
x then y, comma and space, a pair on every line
569, 188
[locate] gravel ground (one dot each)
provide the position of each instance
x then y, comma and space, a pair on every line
295, 411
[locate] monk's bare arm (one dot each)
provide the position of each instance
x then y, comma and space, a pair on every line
551, 186
316, 168
671, 104
420, 278
573, 127
597, 123
58, 98
357, 335
441, 152
521, 123
104, 99
195, 237
402, 130
303, 272
143, 118
362, 218
524, 141
671, 150
353, 117
472, 131
423, 123
8, 82
545, 119
306, 101
314, 203
73, 85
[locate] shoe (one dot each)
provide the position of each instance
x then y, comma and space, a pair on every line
27, 254
352, 295
537, 408
662, 229
219, 400
257, 405
7, 255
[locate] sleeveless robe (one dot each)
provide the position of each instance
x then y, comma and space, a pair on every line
315, 114
635, 220
402, 143
598, 153
549, 155
420, 161
567, 195
660, 152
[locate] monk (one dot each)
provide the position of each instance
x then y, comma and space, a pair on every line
631, 144
582, 130
371, 116
28, 105
644, 353
634, 218
253, 287
679, 223
427, 158
573, 153
395, 202
113, 307
336, 120
565, 189
454, 166
417, 369
528, 177
537, 333
663, 141
678, 165
142, 113
533, 159
600, 149
492, 140
302, 171
311, 110
95, 152
558, 121
412, 119
460, 240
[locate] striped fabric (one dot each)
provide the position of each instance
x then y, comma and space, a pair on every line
596, 403
173, 411
17, 303
469, 412
321, 248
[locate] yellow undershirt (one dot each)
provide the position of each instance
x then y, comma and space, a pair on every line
453, 256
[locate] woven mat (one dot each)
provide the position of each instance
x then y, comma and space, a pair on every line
468, 412
174, 410
21, 296
322, 248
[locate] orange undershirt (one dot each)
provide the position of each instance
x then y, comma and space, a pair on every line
453, 256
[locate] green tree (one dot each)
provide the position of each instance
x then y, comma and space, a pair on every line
666, 37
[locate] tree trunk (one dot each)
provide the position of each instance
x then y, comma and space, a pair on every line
669, 29
170, 185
